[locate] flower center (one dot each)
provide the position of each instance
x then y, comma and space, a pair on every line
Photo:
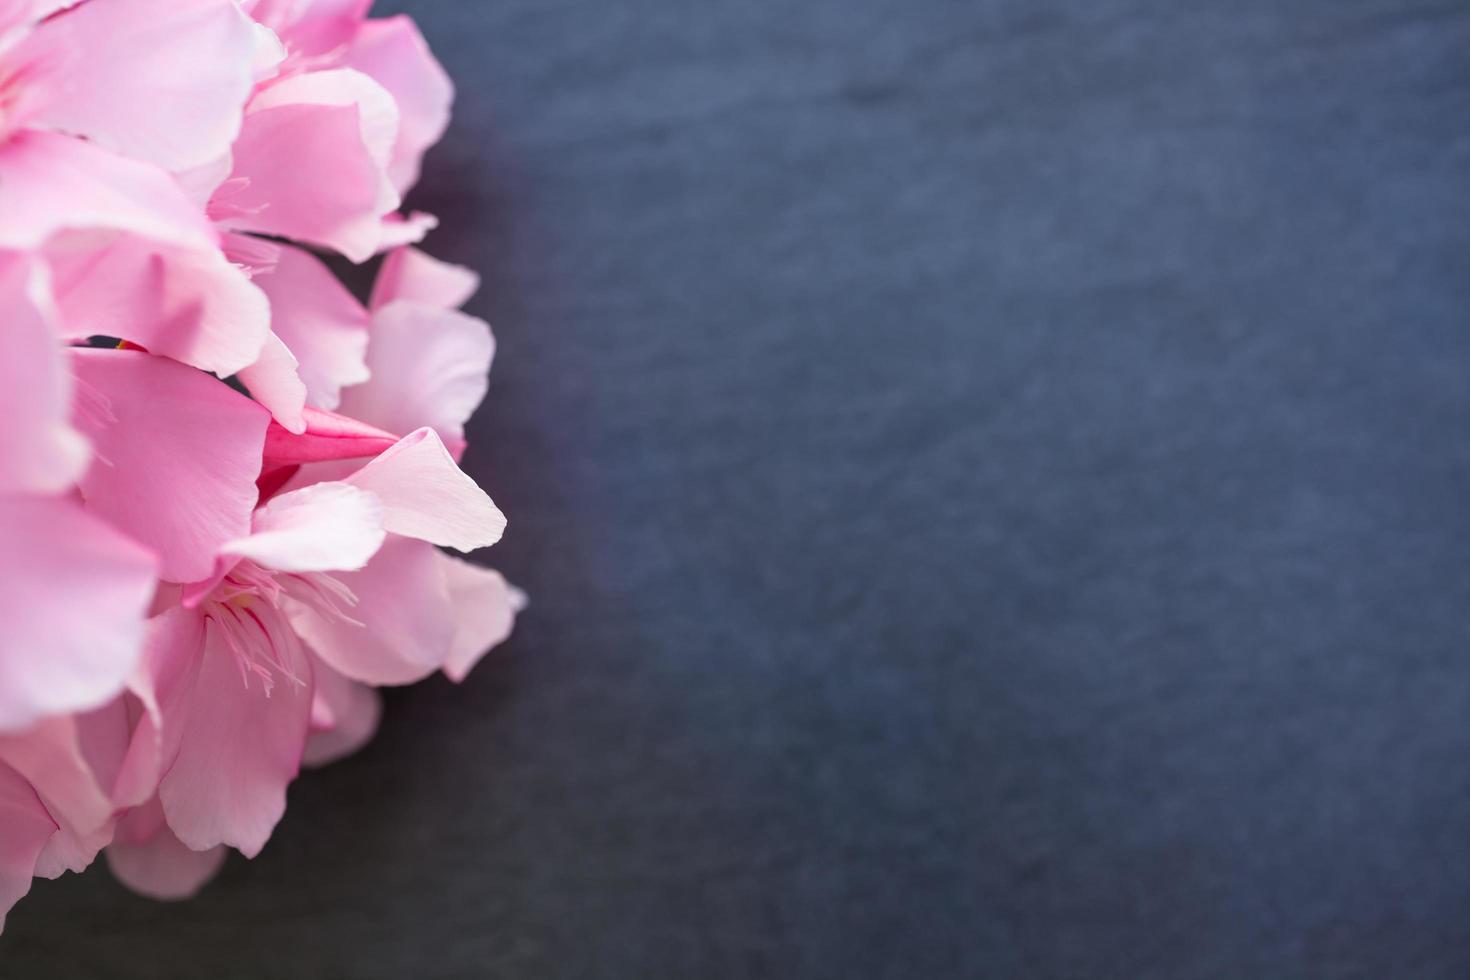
251, 606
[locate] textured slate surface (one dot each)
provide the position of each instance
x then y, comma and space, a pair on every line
992, 480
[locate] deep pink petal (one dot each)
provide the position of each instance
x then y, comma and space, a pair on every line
485, 608
426, 496
241, 747
327, 436
160, 80
407, 620
73, 594
177, 456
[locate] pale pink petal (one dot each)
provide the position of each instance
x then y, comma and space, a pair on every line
73, 594
336, 128
255, 256
147, 857
269, 54
430, 367
313, 28
31, 75
39, 450
320, 321
52, 757
103, 735
274, 380
408, 273
344, 716
241, 747
51, 183
41, 9
200, 183
25, 829
394, 53
18, 13
159, 686
485, 608
177, 454
426, 496
407, 621
183, 303
160, 80
322, 528
396, 230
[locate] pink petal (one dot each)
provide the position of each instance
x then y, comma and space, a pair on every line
15, 13
160, 685
310, 29
177, 105
178, 453
320, 321
321, 528
426, 496
269, 54
430, 367
73, 594
240, 749
377, 113
407, 621
188, 304
327, 436
345, 715
394, 53
147, 857
31, 75
275, 381
396, 230
200, 183
485, 608
337, 129
51, 183
25, 829
39, 450
53, 758
410, 274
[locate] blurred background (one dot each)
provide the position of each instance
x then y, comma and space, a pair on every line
991, 479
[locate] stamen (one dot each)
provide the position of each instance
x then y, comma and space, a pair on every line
247, 609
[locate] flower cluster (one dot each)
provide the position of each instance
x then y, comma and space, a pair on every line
224, 482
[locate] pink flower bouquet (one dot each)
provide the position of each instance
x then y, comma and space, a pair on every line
220, 526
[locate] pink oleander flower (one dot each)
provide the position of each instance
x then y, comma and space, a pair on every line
252, 566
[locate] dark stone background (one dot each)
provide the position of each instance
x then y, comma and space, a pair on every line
992, 480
